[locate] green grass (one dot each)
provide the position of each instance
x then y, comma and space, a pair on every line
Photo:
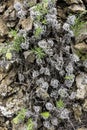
60, 104
45, 115
30, 124
69, 77
17, 40
15, 46
38, 32
20, 116
79, 24
38, 52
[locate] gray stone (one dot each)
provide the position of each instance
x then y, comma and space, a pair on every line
29, 56
81, 87
85, 105
2, 8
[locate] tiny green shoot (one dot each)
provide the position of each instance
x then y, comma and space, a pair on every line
30, 124
20, 117
38, 52
45, 115
60, 104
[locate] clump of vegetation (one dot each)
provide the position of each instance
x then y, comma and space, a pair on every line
42, 7
8, 48
45, 115
79, 24
38, 52
38, 32
60, 104
70, 77
42, 10
30, 124
20, 117
17, 40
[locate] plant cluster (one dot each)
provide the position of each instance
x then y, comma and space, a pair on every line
15, 46
42, 10
17, 40
79, 24
60, 104
38, 52
21, 117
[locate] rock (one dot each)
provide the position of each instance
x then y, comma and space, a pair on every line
85, 65
82, 33
29, 56
81, 46
5, 88
75, 7
85, 105
10, 14
85, 1
77, 112
5, 66
2, 8
2, 76
81, 86
82, 128
81, 49
3, 128
20, 126
26, 24
74, 1
3, 30
61, 13
13, 104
